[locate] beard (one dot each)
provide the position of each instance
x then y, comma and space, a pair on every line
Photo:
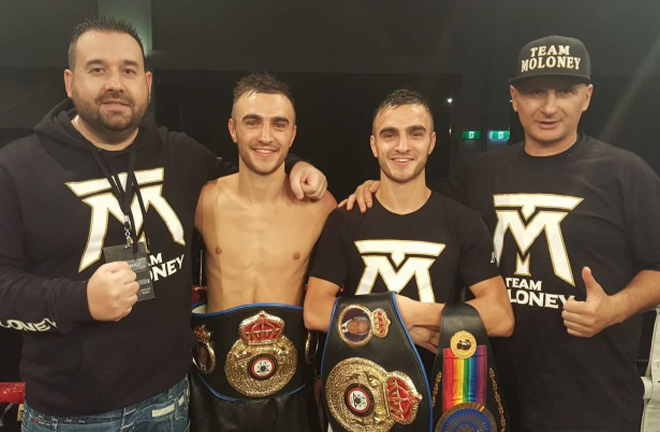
107, 123
263, 168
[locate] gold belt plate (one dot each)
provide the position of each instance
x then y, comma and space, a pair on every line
364, 397
263, 360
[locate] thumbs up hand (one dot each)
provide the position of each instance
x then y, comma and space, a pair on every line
587, 318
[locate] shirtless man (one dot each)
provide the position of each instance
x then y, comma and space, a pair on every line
259, 238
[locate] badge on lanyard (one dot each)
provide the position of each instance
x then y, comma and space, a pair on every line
133, 251
139, 263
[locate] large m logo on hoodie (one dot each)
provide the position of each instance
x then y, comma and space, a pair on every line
97, 194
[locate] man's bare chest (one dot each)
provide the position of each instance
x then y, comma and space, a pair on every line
263, 241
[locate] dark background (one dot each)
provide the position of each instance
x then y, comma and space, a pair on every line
341, 58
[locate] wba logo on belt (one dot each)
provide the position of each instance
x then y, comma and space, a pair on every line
372, 378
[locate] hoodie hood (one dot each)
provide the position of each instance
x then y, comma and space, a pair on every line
56, 125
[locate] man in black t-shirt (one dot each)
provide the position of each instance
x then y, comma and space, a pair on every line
414, 242
574, 224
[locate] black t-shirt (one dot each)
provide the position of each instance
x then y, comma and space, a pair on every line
426, 255
594, 205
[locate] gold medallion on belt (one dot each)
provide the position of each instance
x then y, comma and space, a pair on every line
263, 360
364, 397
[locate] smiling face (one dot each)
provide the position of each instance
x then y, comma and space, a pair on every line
358, 326
108, 83
549, 109
402, 140
263, 127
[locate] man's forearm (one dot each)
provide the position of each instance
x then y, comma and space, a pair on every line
496, 313
415, 313
317, 311
642, 293
494, 308
39, 304
290, 161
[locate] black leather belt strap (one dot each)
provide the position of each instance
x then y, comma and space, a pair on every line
461, 332
370, 366
457, 317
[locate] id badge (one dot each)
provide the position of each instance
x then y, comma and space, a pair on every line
139, 264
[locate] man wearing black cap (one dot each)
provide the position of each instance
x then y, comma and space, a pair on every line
574, 224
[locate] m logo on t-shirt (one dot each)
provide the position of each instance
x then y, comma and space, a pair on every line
527, 216
98, 195
411, 258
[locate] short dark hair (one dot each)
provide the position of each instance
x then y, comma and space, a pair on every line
261, 83
401, 97
103, 24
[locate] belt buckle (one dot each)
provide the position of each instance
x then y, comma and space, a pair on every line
263, 360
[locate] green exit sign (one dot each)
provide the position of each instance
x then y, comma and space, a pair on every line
499, 135
471, 135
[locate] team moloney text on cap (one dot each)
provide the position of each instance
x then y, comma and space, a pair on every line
553, 56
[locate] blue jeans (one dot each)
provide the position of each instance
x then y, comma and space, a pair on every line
166, 412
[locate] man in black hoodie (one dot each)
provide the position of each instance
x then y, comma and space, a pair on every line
99, 178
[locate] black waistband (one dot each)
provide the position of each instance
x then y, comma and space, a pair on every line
251, 351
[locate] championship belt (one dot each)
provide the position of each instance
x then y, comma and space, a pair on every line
253, 351
466, 395
373, 378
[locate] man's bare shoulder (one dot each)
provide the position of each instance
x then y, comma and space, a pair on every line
327, 204
221, 185
227, 184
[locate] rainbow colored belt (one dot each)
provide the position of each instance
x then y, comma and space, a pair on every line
464, 380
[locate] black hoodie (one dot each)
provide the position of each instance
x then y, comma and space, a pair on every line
57, 214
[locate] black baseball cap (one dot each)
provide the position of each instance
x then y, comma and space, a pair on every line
553, 56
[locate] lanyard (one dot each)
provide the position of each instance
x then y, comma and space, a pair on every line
124, 197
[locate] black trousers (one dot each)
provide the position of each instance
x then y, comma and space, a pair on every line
297, 412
